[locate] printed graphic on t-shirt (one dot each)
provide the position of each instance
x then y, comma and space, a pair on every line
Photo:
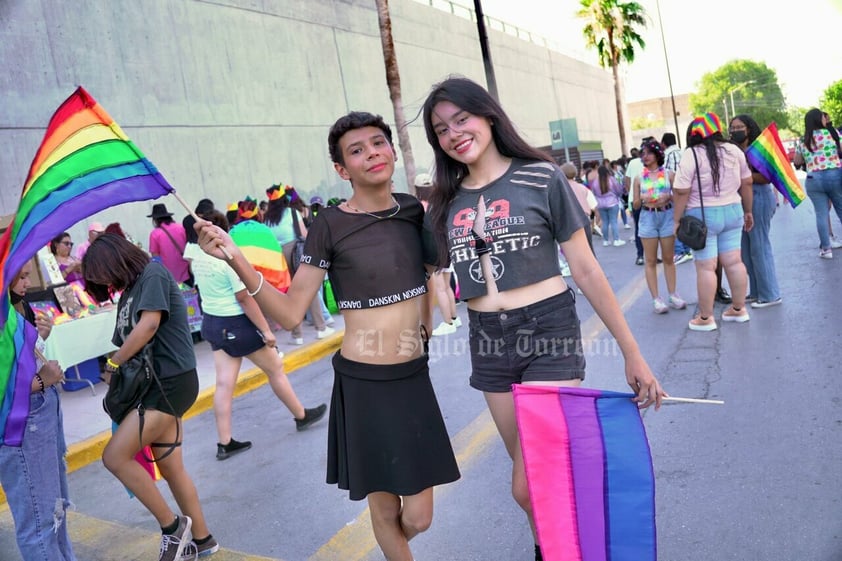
124, 318
503, 233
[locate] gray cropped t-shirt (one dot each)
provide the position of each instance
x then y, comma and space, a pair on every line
529, 210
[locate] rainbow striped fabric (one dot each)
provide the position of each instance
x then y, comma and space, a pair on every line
260, 247
85, 164
706, 125
768, 156
589, 471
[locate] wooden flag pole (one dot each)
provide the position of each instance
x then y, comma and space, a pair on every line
194, 215
694, 400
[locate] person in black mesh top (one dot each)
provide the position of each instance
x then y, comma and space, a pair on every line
386, 439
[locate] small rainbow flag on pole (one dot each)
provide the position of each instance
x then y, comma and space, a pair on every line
589, 472
768, 156
85, 164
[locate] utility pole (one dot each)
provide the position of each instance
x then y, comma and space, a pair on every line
725, 105
669, 78
486, 53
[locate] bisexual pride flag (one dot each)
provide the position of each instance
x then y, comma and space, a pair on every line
589, 472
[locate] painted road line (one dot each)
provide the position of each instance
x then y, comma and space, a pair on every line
102, 540
356, 540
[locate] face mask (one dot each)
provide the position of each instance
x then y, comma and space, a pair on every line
738, 136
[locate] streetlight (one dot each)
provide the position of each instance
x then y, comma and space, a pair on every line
731, 93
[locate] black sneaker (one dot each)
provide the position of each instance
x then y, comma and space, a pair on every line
722, 296
638, 261
310, 416
225, 451
209, 547
172, 545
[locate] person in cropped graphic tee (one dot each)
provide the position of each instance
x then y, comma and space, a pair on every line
386, 439
500, 208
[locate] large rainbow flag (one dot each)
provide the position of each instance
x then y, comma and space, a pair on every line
85, 164
590, 474
260, 247
768, 156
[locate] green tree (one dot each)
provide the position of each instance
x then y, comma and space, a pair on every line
831, 102
742, 86
611, 27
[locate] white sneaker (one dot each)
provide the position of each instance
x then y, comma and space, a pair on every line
660, 307
444, 328
298, 340
835, 243
457, 322
605, 243
626, 227
618, 243
826, 254
325, 332
677, 301
597, 231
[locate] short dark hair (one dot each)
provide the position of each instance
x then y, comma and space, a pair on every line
114, 260
352, 121
57, 240
217, 219
668, 139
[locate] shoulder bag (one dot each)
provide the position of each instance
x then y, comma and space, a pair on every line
693, 232
298, 249
129, 385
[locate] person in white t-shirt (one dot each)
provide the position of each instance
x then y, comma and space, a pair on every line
235, 328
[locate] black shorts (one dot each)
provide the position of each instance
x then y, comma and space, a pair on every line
236, 335
538, 342
180, 393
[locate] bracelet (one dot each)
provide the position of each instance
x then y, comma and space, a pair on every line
111, 364
259, 286
40, 382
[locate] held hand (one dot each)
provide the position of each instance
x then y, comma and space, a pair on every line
269, 339
51, 373
214, 241
44, 324
642, 382
748, 221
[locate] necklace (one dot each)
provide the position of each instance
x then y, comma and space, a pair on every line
394, 200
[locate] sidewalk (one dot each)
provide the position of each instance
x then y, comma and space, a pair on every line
87, 428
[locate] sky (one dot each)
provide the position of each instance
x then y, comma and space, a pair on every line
758, 30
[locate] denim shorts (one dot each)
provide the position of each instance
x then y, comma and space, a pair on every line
725, 229
538, 342
656, 223
235, 335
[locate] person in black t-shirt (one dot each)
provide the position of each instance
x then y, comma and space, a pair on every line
151, 309
386, 441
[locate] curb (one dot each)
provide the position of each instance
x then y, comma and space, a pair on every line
87, 451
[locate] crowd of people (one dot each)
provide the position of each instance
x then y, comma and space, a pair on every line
385, 254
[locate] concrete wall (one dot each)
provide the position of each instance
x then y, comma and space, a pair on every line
229, 96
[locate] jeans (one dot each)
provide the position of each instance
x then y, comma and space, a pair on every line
609, 222
823, 186
34, 477
757, 249
637, 243
680, 248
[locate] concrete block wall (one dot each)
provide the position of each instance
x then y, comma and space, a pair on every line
229, 96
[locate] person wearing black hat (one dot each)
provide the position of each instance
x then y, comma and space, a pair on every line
166, 244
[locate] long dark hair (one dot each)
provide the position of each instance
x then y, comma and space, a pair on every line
112, 261
473, 98
753, 129
276, 208
812, 123
710, 145
605, 177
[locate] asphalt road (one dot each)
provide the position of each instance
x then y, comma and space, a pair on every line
755, 479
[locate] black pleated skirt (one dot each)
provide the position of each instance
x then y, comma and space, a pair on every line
386, 432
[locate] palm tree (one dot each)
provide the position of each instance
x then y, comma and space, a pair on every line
610, 28
393, 81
